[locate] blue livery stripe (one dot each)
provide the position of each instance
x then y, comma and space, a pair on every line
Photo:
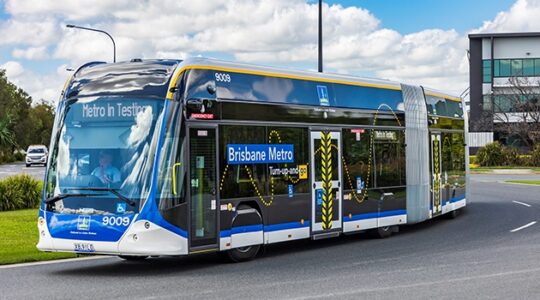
456, 199
241, 229
283, 226
267, 228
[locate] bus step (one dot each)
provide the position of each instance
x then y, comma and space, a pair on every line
326, 235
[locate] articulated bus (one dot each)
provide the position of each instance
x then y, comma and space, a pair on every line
170, 157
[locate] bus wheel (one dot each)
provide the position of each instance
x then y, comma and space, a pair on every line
453, 214
381, 232
132, 258
243, 253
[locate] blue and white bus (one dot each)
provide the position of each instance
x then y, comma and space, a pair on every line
170, 157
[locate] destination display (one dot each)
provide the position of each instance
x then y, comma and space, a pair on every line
111, 110
259, 153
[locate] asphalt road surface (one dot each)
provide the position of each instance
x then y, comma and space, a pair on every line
36, 171
485, 253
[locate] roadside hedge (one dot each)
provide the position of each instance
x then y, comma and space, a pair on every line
19, 192
495, 155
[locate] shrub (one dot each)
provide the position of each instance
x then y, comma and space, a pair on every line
512, 157
19, 191
19, 156
473, 160
491, 154
534, 159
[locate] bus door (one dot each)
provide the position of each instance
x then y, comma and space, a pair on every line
436, 200
326, 181
203, 189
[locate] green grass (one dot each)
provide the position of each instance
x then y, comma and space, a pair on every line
489, 169
533, 182
19, 236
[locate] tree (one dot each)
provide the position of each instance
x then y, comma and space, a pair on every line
6, 135
516, 110
21, 124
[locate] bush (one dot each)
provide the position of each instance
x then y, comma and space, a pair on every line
512, 157
534, 159
491, 154
473, 160
20, 191
19, 156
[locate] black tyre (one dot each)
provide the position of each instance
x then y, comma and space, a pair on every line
28, 165
453, 214
243, 253
132, 258
381, 232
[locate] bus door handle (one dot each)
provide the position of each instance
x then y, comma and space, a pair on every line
174, 177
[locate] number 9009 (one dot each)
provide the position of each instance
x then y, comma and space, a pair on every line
223, 77
115, 221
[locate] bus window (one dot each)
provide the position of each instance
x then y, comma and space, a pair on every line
289, 174
356, 148
172, 170
389, 162
242, 180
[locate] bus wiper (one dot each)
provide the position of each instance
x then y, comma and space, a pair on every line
112, 191
63, 196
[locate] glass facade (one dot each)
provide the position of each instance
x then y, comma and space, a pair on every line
510, 67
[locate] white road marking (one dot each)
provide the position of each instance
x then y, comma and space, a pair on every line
523, 227
50, 262
522, 203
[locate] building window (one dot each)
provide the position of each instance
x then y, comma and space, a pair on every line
486, 71
517, 67
514, 67
528, 67
504, 68
537, 66
486, 103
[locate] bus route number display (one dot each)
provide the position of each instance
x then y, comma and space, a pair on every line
238, 154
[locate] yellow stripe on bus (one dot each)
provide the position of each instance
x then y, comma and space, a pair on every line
443, 96
279, 75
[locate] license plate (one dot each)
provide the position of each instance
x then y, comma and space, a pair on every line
84, 247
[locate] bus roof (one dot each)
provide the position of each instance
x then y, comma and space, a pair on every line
136, 77
152, 77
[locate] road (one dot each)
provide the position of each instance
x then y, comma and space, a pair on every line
475, 256
36, 171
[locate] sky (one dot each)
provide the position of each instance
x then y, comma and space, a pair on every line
413, 41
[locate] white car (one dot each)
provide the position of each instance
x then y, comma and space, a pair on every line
36, 155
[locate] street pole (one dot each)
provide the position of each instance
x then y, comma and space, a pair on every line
320, 38
97, 30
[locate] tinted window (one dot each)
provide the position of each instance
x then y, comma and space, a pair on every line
237, 180
356, 160
389, 158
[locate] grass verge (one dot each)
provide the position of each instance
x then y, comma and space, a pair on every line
20, 236
524, 181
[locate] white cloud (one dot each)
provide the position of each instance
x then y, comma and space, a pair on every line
13, 69
36, 53
278, 32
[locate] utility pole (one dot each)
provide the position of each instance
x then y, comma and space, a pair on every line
320, 38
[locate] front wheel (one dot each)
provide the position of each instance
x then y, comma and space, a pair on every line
243, 253
28, 165
132, 258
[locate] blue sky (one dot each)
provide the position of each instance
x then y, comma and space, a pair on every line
413, 41
407, 16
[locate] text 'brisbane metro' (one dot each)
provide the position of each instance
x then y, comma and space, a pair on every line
260, 153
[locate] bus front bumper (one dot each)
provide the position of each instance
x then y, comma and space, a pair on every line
142, 238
